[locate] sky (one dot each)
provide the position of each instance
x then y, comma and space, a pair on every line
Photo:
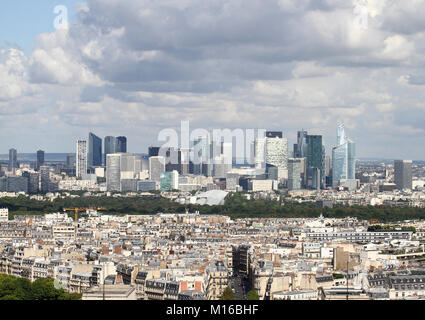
133, 68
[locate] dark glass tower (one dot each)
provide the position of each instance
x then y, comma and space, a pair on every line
95, 151
110, 143
121, 146
315, 161
403, 174
300, 148
40, 159
274, 134
154, 151
13, 159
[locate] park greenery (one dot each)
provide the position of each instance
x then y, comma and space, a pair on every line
236, 206
13, 288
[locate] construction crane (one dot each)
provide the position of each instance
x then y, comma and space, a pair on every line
78, 210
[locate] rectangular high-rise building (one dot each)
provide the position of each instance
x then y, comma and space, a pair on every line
154, 151
200, 154
259, 153
156, 167
184, 158
146, 185
232, 181
277, 153
70, 161
109, 146
129, 185
33, 181
315, 161
214, 157
17, 184
121, 145
122, 168
403, 174
81, 158
169, 181
13, 159
294, 174
95, 151
44, 179
113, 172
40, 159
300, 148
115, 145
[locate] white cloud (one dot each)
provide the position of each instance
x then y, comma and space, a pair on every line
133, 67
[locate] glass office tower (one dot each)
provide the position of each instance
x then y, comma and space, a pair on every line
40, 160
121, 145
343, 158
95, 151
314, 155
13, 159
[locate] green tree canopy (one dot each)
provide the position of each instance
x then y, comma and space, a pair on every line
13, 288
252, 295
227, 294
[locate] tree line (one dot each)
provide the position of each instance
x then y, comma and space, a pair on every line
13, 288
236, 206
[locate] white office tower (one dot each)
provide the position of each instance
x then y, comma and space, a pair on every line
119, 167
113, 172
175, 180
294, 174
130, 166
81, 158
156, 167
277, 153
259, 153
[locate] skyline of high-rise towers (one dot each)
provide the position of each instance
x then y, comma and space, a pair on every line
343, 160
211, 158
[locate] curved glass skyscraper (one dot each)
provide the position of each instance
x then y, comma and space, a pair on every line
343, 158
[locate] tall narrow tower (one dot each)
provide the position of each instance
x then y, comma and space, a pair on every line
81, 158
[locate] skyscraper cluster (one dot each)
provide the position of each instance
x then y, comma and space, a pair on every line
308, 168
